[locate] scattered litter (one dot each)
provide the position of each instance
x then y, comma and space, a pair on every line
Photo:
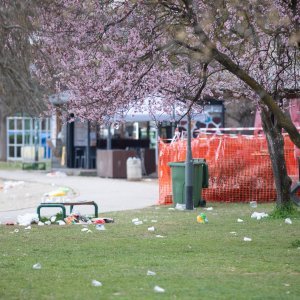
41, 223
240, 220
27, 219
151, 273
233, 233
253, 204
286, 284
28, 227
247, 239
151, 228
84, 229
16, 230
135, 220
37, 266
96, 283
60, 222
180, 206
171, 208
288, 221
138, 223
89, 231
259, 216
158, 289
159, 236
98, 221
100, 227
209, 208
48, 223
202, 218
153, 221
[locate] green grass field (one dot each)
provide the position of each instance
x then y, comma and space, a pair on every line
191, 260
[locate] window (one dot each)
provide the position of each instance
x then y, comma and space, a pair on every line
21, 132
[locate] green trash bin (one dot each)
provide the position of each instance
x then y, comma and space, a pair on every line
200, 180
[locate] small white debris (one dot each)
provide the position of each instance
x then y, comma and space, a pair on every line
100, 227
286, 284
138, 223
16, 230
159, 236
151, 228
135, 220
240, 220
233, 232
209, 208
84, 229
96, 283
37, 266
247, 239
89, 231
151, 273
258, 215
171, 208
27, 228
158, 289
53, 219
153, 221
288, 221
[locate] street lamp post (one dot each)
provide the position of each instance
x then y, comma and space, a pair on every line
189, 169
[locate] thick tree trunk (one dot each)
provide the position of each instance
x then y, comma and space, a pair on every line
275, 142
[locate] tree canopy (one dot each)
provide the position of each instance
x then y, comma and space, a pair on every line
111, 54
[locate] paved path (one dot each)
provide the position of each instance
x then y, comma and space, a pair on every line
109, 194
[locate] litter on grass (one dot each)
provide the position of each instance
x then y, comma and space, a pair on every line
247, 239
138, 223
159, 289
288, 221
27, 219
259, 216
96, 283
151, 228
240, 220
150, 273
209, 208
41, 223
28, 227
202, 218
37, 266
159, 236
100, 227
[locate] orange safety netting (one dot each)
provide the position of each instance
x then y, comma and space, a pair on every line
239, 167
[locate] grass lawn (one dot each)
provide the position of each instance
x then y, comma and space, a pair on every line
191, 260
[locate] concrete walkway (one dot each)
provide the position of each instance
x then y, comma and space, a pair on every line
109, 194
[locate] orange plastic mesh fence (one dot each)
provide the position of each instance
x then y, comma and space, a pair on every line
239, 167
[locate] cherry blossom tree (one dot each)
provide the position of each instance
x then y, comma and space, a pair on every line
111, 55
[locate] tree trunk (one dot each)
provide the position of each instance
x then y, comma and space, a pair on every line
2, 135
275, 142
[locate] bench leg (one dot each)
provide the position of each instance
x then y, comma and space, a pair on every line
96, 209
56, 205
